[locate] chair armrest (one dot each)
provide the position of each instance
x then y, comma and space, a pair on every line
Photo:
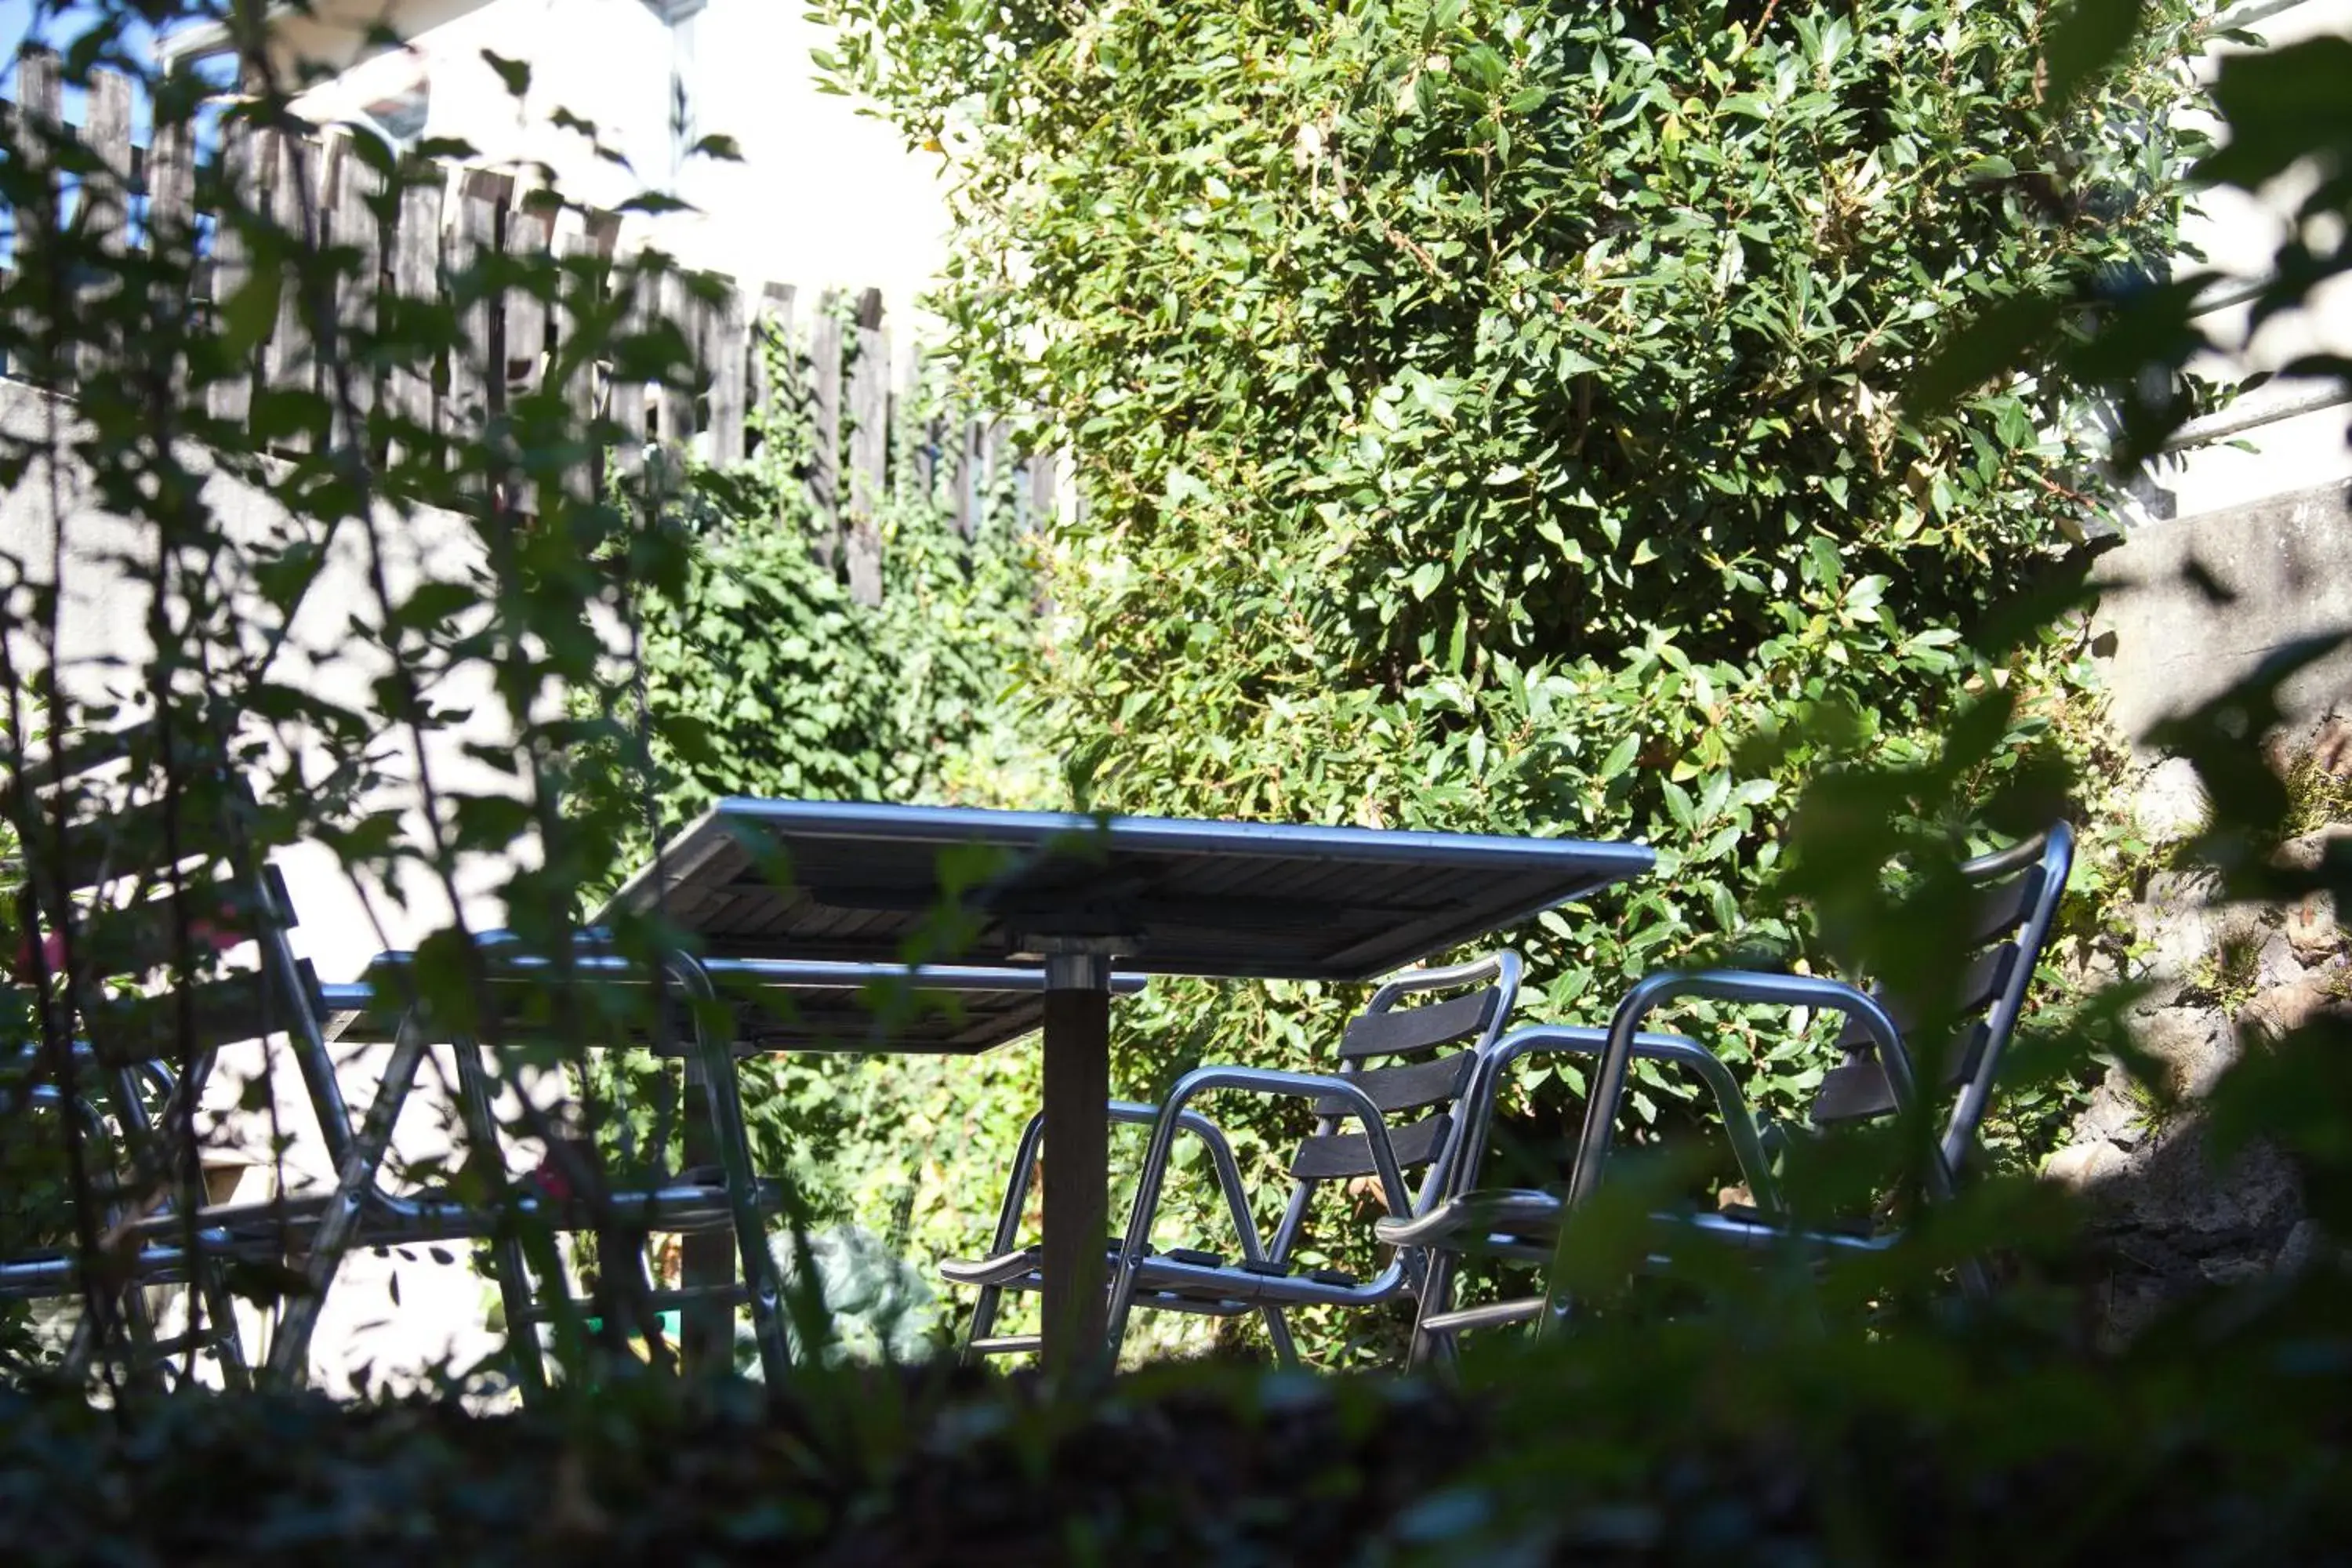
1558, 1039
1607, 1090
1278, 1085
1130, 1113
1313, 1087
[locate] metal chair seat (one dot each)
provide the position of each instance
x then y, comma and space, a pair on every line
1523, 1227
1503, 1223
1186, 1278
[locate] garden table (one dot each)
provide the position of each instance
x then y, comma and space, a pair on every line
1070, 894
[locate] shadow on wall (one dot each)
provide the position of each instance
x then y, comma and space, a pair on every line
2187, 609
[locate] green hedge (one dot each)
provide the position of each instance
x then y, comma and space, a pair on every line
2223, 1440
1494, 416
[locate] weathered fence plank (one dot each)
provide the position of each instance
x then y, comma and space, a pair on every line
289, 360
525, 338
624, 400
415, 268
869, 451
477, 375
824, 429
105, 215
229, 398
578, 294
172, 187
171, 232
352, 225
772, 321
674, 422
968, 476
439, 241
39, 114
522, 341
727, 353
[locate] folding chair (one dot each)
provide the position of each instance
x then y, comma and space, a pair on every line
1426, 1076
720, 1010
155, 934
2018, 890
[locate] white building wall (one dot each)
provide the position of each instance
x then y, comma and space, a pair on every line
825, 198
2238, 234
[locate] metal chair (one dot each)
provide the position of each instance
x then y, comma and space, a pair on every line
2017, 896
144, 860
1426, 1076
155, 935
761, 1006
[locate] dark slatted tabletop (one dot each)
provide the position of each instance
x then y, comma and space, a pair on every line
812, 879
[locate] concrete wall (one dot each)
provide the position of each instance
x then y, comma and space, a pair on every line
2170, 643
2260, 497
104, 645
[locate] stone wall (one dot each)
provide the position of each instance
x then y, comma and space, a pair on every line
2187, 609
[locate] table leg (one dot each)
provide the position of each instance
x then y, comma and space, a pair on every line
1077, 1158
706, 1258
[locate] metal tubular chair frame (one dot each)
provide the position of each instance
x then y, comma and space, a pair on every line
1142, 1278
978, 1343
708, 1054
1320, 1087
1537, 1215
197, 847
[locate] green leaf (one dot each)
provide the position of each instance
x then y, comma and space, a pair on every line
248, 316
1994, 342
2083, 41
515, 74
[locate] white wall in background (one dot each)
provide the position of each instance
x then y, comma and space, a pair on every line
824, 196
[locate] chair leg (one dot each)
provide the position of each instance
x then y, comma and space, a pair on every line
706, 1258
126, 1306
983, 1323
1278, 1332
1436, 1296
290, 1351
1008, 1231
228, 1346
476, 1107
715, 1048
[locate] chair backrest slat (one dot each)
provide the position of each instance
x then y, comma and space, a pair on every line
1412, 1087
2004, 906
220, 916
1858, 1090
1426, 1074
126, 833
201, 1017
1345, 1156
2016, 903
1980, 988
142, 839
1405, 1031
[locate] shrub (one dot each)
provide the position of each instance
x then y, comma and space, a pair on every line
1493, 417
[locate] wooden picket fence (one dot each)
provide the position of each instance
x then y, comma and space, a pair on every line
840, 374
